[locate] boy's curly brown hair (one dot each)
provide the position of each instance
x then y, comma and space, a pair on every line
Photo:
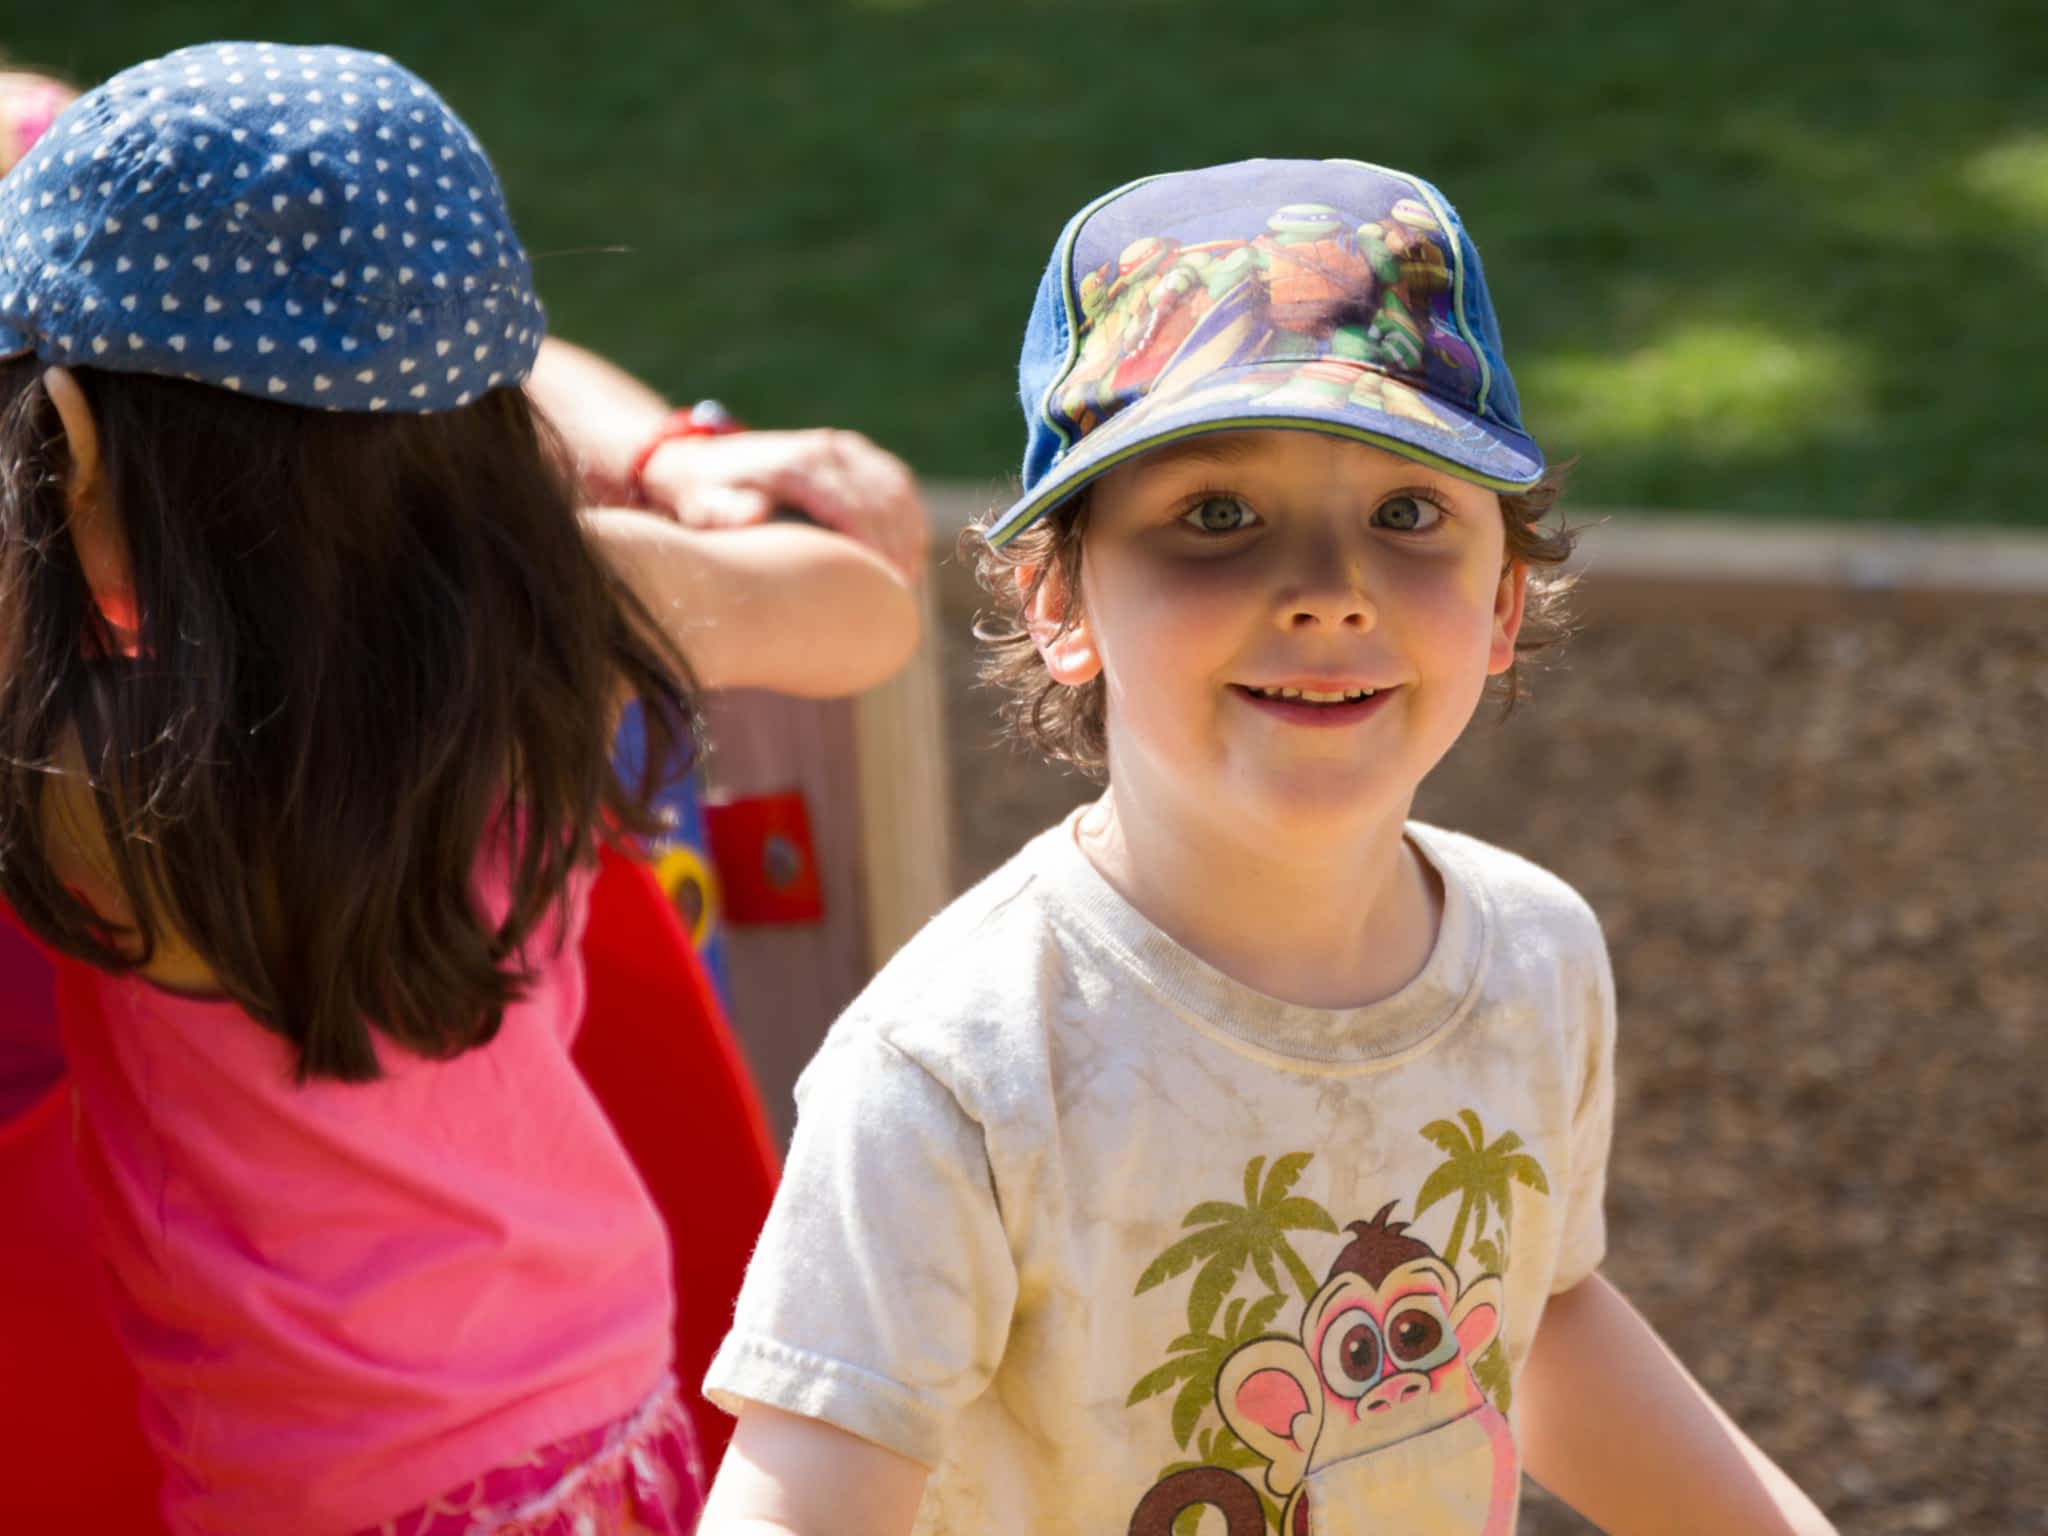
1070, 724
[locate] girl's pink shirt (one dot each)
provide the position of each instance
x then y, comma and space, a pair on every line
346, 1299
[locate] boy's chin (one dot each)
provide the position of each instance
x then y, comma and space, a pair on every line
1322, 807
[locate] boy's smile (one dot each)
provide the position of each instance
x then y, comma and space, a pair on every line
1293, 627
1314, 708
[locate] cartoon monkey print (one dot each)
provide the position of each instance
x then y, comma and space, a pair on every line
1371, 1420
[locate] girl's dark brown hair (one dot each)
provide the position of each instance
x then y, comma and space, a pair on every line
1070, 724
373, 649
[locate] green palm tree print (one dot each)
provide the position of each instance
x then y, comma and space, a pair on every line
1232, 1235
1195, 1359
1479, 1175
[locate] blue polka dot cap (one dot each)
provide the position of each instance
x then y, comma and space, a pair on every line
307, 225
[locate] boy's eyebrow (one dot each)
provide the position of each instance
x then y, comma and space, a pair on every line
1210, 447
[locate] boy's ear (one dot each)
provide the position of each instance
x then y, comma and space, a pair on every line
96, 533
1068, 648
1510, 599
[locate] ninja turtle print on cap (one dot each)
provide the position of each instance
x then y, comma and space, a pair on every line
1327, 295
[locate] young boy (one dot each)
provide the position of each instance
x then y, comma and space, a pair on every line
1232, 1159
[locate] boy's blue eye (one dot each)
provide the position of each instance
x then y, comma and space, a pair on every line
1407, 514
1219, 514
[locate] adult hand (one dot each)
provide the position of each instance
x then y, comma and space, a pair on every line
836, 478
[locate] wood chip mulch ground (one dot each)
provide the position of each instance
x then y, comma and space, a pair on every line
1818, 842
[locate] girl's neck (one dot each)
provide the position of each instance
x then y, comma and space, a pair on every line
79, 855
1339, 924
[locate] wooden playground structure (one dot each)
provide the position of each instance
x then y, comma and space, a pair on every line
870, 773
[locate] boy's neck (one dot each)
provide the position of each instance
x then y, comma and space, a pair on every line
1345, 923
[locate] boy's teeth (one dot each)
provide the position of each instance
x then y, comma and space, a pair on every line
1312, 696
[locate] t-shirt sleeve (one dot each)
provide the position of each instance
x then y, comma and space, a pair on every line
880, 1295
1592, 1133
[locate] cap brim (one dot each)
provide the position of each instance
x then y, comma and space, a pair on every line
1323, 394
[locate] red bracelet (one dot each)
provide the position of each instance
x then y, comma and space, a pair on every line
707, 418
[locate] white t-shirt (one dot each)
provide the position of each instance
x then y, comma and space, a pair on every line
1095, 1231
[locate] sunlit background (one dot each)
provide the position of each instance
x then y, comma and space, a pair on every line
1789, 261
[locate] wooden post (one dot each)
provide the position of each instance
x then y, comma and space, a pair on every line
900, 743
873, 776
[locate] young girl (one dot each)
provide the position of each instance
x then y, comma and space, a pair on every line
308, 673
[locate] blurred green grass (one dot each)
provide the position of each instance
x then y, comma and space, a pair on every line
1779, 261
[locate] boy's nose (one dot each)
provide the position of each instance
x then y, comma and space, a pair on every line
1333, 614
1329, 593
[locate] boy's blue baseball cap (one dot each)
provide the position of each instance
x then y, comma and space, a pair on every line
1327, 295
310, 225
